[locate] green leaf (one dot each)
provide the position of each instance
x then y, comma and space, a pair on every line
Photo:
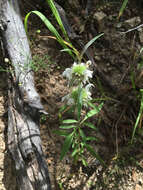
82, 135
46, 22
91, 139
68, 121
63, 108
139, 116
49, 26
66, 145
59, 21
92, 105
79, 102
75, 151
90, 125
93, 153
89, 44
122, 8
67, 126
93, 112
67, 50
61, 132
57, 16
84, 162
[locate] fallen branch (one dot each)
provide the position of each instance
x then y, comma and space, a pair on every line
24, 106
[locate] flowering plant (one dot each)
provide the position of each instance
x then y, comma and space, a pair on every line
78, 99
79, 96
78, 73
78, 76
71, 98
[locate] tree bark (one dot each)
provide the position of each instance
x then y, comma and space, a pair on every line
24, 109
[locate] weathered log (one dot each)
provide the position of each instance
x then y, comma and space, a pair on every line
24, 109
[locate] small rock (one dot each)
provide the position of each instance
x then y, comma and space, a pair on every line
100, 18
133, 21
108, 64
97, 58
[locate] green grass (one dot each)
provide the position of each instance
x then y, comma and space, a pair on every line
124, 5
139, 116
63, 41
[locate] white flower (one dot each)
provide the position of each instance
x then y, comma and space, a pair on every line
87, 75
78, 73
71, 98
68, 99
68, 73
87, 90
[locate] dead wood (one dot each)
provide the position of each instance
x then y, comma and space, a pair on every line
24, 106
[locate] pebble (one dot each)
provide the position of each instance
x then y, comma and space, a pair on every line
100, 18
133, 21
97, 58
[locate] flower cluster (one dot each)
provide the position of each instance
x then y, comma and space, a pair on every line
78, 75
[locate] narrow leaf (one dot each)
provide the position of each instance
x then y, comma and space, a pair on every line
66, 50
55, 12
63, 108
68, 121
79, 102
61, 132
122, 8
90, 125
46, 22
66, 145
49, 26
93, 112
92, 105
82, 135
84, 162
139, 116
89, 43
57, 16
91, 139
76, 150
67, 126
76, 52
93, 153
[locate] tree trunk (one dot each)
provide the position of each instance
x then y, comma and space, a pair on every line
24, 109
